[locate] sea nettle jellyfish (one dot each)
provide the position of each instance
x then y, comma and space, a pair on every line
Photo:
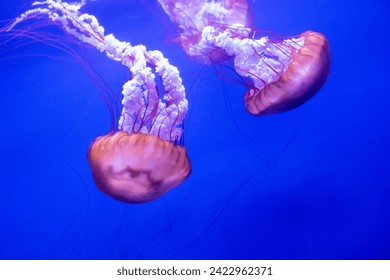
280, 74
145, 158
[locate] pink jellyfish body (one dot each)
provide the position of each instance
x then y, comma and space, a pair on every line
280, 74
144, 159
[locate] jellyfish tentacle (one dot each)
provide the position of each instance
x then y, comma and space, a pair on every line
142, 85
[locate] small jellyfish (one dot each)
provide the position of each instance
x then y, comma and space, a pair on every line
280, 74
145, 158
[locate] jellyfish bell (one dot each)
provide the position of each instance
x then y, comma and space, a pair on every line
302, 79
137, 168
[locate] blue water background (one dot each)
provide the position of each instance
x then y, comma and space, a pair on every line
312, 183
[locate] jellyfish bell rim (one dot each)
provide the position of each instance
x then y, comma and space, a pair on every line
137, 168
303, 78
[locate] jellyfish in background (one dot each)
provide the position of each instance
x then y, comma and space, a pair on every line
280, 74
145, 158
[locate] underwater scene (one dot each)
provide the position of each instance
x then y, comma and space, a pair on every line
225, 129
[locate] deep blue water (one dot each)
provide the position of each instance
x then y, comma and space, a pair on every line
312, 183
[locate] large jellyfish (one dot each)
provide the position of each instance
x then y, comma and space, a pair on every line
280, 74
145, 158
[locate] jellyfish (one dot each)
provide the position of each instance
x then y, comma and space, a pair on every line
145, 158
280, 74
